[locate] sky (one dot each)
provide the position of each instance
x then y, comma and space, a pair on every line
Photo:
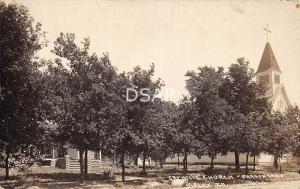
178, 36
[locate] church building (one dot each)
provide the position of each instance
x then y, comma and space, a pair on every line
269, 73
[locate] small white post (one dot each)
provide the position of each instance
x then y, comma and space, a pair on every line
67, 157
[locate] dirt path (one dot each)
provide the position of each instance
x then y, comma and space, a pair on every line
272, 185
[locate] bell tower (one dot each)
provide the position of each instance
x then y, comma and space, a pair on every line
269, 73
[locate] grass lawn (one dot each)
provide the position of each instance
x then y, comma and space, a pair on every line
49, 177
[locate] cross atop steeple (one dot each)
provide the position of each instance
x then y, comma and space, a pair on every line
268, 31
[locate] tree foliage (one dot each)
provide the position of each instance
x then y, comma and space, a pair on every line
20, 81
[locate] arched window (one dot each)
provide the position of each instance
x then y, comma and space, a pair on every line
277, 79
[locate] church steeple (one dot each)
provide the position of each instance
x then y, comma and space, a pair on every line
268, 60
269, 73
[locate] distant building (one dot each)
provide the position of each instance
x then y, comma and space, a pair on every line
69, 159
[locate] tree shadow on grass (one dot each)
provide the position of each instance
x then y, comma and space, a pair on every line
63, 180
14, 177
64, 177
45, 179
67, 180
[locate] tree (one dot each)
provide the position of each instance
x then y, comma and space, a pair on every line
281, 136
20, 85
163, 121
142, 112
246, 96
293, 118
134, 134
251, 139
184, 140
214, 118
84, 96
119, 137
255, 137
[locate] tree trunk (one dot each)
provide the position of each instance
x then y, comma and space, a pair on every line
7, 154
149, 162
144, 163
237, 160
247, 158
136, 160
185, 163
161, 165
178, 163
212, 161
275, 163
279, 164
81, 165
254, 162
123, 165
86, 163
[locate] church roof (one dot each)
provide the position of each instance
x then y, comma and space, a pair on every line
268, 60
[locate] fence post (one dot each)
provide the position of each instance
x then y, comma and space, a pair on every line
67, 162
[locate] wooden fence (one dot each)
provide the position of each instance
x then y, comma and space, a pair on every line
74, 165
